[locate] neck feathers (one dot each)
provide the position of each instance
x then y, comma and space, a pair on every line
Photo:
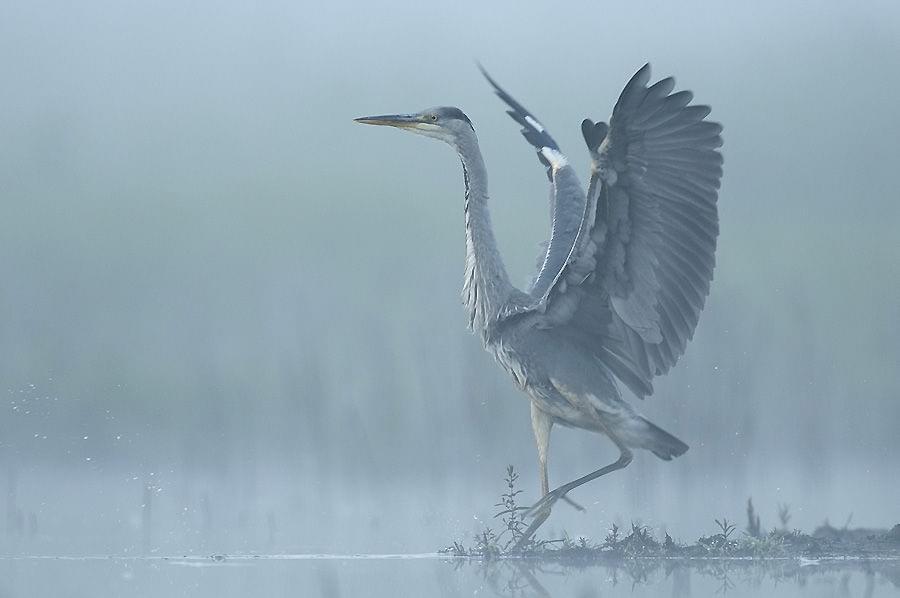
486, 286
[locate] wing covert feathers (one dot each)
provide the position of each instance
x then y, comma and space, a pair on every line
658, 178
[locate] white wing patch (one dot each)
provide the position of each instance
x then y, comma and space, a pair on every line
534, 123
556, 159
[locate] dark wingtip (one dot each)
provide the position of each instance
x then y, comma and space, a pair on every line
486, 75
499, 91
534, 131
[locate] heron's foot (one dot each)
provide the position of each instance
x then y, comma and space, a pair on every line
539, 519
539, 512
548, 500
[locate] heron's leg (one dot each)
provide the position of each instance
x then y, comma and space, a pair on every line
542, 424
545, 503
541, 510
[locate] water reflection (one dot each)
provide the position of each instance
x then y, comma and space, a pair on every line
679, 577
431, 575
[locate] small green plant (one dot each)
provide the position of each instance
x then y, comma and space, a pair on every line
487, 544
727, 528
612, 537
720, 543
509, 512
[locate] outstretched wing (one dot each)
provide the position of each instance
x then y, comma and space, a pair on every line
655, 180
637, 272
567, 198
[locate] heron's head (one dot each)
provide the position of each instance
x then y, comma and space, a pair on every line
445, 123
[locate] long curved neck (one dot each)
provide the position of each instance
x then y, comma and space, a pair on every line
486, 287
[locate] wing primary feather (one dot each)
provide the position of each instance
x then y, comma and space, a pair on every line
537, 134
656, 93
689, 116
633, 89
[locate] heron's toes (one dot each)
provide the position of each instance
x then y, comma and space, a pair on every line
545, 504
574, 504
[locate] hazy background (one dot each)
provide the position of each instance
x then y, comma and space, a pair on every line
223, 300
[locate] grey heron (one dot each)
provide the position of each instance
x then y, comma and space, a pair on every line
623, 278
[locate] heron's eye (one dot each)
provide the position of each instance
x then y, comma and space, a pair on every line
434, 117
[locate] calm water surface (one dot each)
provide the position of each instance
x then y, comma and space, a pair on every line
378, 576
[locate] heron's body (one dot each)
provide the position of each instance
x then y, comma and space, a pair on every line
624, 275
572, 391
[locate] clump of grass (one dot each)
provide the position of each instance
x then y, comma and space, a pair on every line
640, 543
581, 546
720, 543
765, 547
612, 537
487, 544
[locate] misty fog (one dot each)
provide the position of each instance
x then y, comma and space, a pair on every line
230, 317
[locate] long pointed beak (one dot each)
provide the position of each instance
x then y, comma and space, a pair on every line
390, 120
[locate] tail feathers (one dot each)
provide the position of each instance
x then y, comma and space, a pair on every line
661, 443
